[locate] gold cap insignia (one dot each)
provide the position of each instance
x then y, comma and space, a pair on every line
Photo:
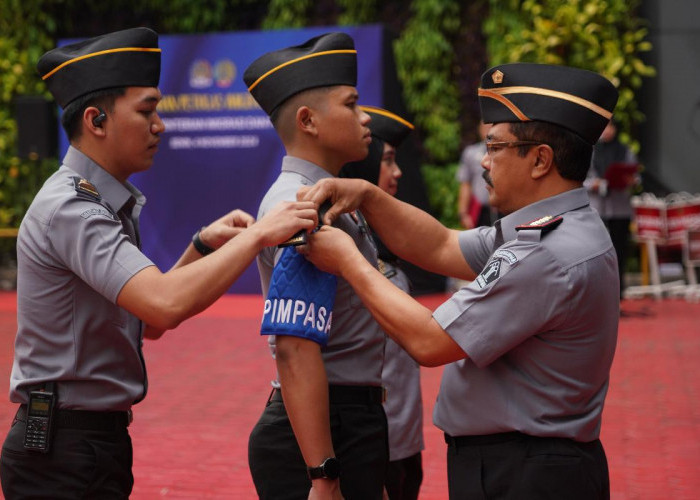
497, 76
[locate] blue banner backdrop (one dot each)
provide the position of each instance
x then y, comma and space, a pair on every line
219, 150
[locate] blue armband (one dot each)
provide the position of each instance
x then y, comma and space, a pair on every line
300, 299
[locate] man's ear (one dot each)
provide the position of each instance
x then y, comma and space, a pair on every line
544, 160
305, 120
93, 120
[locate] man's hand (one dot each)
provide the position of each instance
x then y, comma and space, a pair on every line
223, 229
285, 219
330, 249
346, 195
325, 489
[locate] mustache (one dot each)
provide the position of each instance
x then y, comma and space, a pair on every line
485, 175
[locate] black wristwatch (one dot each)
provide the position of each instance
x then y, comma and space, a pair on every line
329, 469
199, 245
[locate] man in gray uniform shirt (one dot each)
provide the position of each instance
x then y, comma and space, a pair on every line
529, 342
323, 432
86, 295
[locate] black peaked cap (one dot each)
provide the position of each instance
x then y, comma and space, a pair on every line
127, 58
387, 126
577, 99
323, 61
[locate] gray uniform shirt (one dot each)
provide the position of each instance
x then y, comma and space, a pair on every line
77, 247
539, 326
355, 349
401, 378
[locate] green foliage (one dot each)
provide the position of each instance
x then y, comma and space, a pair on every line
357, 11
601, 35
443, 190
286, 14
24, 35
604, 36
424, 60
179, 16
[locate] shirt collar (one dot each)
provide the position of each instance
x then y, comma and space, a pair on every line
554, 205
111, 190
312, 172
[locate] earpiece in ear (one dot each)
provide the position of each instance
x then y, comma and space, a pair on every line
97, 121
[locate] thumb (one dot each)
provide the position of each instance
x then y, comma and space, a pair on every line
301, 193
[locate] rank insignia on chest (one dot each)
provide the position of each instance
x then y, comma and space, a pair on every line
546, 223
85, 187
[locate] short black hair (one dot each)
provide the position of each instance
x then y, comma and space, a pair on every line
73, 113
308, 97
572, 154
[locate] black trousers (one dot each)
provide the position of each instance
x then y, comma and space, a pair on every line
360, 441
513, 466
81, 463
404, 477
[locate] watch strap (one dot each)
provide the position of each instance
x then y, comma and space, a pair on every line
329, 469
199, 245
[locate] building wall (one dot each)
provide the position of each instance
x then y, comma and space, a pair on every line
670, 138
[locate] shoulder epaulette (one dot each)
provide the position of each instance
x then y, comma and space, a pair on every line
544, 224
83, 186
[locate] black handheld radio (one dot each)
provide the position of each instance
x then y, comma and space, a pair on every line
40, 412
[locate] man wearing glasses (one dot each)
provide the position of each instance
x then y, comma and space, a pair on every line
529, 342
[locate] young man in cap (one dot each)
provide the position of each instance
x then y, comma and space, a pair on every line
86, 295
323, 429
400, 374
529, 342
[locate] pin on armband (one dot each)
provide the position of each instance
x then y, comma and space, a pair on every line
199, 245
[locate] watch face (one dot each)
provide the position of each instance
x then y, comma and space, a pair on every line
331, 468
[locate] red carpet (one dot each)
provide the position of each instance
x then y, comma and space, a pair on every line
209, 380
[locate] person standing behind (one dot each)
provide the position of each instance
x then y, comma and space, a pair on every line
86, 295
473, 200
323, 432
526, 375
612, 202
401, 374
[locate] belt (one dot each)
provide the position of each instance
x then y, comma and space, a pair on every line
85, 420
347, 394
501, 437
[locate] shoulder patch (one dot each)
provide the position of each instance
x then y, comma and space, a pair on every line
103, 212
83, 186
506, 255
489, 274
546, 223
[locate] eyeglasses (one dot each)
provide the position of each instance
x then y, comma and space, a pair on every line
494, 147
